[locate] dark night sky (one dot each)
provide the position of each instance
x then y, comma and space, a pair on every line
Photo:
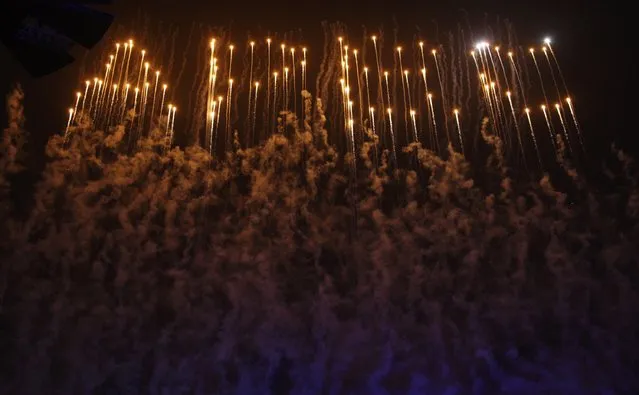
591, 41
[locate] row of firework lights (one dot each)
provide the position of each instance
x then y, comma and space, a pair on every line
101, 101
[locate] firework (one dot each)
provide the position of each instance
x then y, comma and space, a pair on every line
459, 132
107, 106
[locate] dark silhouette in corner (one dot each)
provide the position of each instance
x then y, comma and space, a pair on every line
41, 33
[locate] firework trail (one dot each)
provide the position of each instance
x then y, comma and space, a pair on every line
412, 118
512, 110
94, 104
115, 62
502, 67
208, 125
172, 124
368, 92
101, 93
257, 87
217, 122
392, 133
135, 106
229, 104
473, 54
574, 118
286, 93
497, 104
388, 94
428, 112
443, 93
552, 72
84, 98
211, 129
518, 76
421, 52
489, 101
252, 44
164, 87
66, 130
401, 77
108, 78
371, 111
345, 65
563, 125
142, 54
168, 124
359, 89
124, 57
274, 118
304, 50
432, 114
461, 139
284, 79
541, 79
549, 125
155, 91
144, 103
107, 92
229, 92
379, 72
534, 138
408, 96
128, 61
98, 98
95, 85
294, 81
77, 102
111, 105
268, 79
124, 101
547, 41
497, 88
145, 92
